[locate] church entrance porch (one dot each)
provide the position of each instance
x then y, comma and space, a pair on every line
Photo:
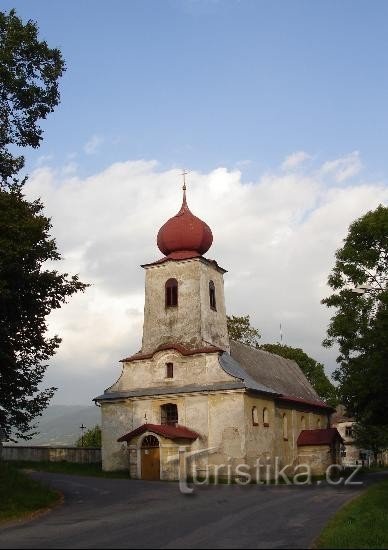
150, 458
154, 450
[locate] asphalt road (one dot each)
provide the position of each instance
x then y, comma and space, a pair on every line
119, 513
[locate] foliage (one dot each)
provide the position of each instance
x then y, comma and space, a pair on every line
240, 330
313, 370
21, 495
370, 437
360, 324
91, 438
362, 523
29, 73
29, 291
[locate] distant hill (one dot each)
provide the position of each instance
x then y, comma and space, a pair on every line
59, 424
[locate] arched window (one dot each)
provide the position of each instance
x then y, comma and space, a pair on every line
285, 427
212, 295
255, 416
318, 423
303, 423
265, 417
171, 293
169, 414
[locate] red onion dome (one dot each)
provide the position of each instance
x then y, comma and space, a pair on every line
184, 235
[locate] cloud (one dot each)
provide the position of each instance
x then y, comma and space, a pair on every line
344, 167
276, 237
294, 160
92, 145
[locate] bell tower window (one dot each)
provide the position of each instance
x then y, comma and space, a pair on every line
212, 296
171, 293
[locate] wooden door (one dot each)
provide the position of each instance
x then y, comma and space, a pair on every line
150, 458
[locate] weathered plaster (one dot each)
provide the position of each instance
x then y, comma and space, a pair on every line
192, 323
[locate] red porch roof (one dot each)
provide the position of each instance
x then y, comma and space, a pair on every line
325, 436
165, 430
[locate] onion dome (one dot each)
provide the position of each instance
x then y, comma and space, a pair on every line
184, 235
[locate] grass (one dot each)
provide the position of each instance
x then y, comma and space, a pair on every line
363, 523
20, 495
63, 467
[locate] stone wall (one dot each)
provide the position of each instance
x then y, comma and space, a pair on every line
77, 455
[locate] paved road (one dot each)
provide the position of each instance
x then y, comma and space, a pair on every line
119, 513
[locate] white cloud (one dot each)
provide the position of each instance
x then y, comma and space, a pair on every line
294, 160
344, 167
92, 145
276, 236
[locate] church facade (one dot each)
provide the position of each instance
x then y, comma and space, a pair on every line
189, 387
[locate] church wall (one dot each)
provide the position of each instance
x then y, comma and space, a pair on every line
203, 368
286, 447
116, 420
260, 439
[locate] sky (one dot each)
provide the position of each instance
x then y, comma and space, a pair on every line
277, 109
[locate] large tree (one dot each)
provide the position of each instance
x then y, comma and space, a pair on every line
29, 291
29, 74
240, 329
360, 323
374, 438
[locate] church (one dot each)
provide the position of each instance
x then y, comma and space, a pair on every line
227, 404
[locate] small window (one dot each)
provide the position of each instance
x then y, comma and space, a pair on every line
265, 417
348, 431
212, 295
255, 416
169, 370
303, 423
319, 423
169, 414
171, 293
285, 427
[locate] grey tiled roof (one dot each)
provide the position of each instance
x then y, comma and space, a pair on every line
281, 375
232, 367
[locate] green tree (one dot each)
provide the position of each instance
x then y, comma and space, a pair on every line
91, 438
240, 330
360, 324
314, 371
29, 73
29, 291
374, 438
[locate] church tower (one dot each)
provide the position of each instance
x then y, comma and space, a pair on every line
184, 291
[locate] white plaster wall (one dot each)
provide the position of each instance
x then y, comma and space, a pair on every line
201, 369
